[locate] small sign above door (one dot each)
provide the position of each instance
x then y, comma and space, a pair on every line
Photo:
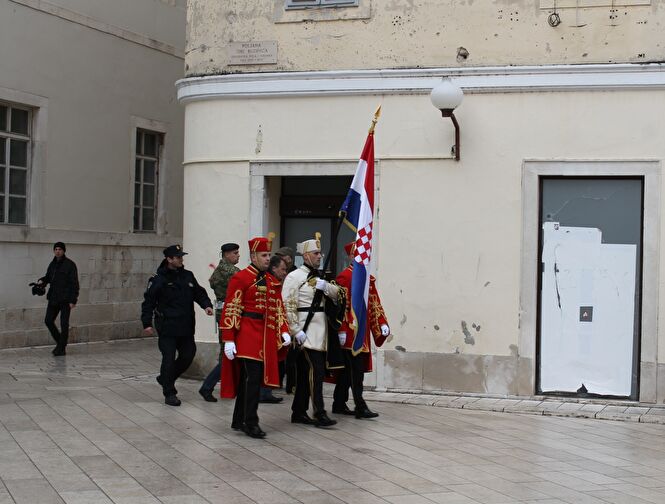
263, 52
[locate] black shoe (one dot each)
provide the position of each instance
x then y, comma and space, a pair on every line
271, 399
207, 396
365, 413
254, 431
302, 418
159, 379
58, 352
323, 420
237, 425
172, 400
56, 349
342, 410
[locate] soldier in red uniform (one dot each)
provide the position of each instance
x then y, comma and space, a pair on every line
355, 366
253, 329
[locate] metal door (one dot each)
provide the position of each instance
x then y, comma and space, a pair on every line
589, 303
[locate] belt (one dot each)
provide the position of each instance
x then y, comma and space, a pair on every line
252, 315
306, 310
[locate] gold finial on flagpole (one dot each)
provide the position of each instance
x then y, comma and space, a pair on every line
377, 114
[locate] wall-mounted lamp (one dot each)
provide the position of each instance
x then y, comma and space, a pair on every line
446, 96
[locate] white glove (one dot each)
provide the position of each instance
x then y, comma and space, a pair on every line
342, 337
230, 350
286, 339
321, 284
301, 337
385, 330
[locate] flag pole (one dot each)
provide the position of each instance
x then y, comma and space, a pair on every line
318, 295
377, 114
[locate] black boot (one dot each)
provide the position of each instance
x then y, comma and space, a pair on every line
172, 400
323, 420
254, 431
302, 418
341, 410
365, 413
207, 396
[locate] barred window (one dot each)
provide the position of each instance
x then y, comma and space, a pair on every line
146, 173
15, 143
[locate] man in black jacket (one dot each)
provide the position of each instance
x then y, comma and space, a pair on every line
170, 296
62, 296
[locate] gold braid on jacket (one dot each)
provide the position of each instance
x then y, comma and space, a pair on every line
342, 300
375, 313
232, 312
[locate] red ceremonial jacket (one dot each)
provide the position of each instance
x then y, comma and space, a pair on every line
376, 317
253, 318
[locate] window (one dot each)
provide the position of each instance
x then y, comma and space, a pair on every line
302, 4
14, 163
146, 172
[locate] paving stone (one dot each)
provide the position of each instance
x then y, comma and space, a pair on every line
654, 415
618, 413
525, 406
93, 428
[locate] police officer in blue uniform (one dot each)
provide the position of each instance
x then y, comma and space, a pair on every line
170, 296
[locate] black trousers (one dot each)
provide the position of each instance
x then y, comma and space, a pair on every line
176, 342
351, 376
310, 371
246, 407
52, 310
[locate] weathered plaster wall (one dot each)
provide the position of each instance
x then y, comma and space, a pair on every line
423, 33
112, 279
94, 67
451, 291
94, 83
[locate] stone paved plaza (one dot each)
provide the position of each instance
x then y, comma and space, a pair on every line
92, 427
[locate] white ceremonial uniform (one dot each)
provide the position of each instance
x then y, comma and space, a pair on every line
298, 292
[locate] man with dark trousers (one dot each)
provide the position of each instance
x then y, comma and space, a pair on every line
313, 360
170, 296
357, 363
254, 330
219, 281
63, 293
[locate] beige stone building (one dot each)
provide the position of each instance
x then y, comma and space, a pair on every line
90, 154
532, 264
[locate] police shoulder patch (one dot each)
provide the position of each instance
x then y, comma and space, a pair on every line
150, 280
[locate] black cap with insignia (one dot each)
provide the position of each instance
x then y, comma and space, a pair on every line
228, 247
174, 251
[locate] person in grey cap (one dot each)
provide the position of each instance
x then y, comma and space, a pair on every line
289, 256
170, 296
219, 281
62, 296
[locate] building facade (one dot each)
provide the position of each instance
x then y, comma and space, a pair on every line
90, 154
529, 266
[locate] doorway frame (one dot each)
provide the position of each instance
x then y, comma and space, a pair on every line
258, 205
650, 170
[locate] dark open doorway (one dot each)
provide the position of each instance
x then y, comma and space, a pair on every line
309, 204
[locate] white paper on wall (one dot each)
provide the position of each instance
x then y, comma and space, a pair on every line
587, 312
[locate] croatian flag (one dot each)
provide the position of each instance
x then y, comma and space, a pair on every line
359, 208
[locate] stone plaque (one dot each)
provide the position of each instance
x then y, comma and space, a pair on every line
253, 53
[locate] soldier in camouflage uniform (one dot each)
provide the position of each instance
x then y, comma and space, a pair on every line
219, 281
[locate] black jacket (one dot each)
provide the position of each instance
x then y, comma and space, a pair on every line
63, 278
171, 294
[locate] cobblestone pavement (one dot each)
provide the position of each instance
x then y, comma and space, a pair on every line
92, 427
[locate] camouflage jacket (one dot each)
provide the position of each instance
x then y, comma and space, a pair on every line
219, 280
